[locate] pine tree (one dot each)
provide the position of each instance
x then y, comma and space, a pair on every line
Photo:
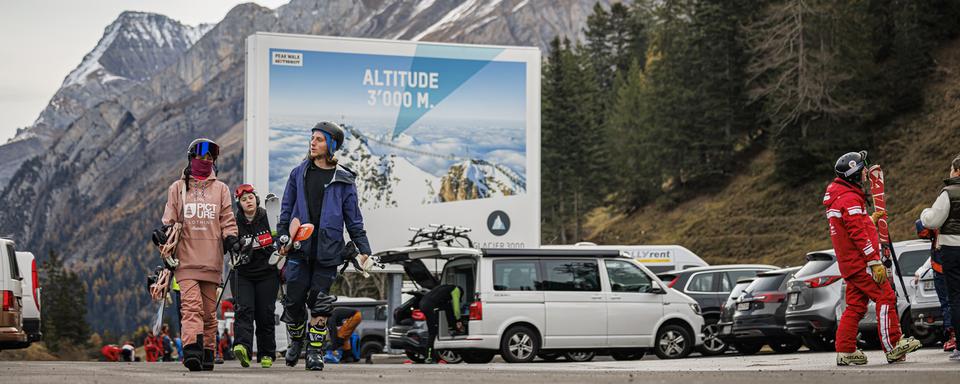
64, 306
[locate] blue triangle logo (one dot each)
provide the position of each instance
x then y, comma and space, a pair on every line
454, 64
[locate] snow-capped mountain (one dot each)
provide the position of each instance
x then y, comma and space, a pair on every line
389, 180
132, 48
478, 179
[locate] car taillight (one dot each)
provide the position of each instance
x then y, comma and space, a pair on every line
476, 310
417, 315
36, 284
769, 297
672, 282
7, 300
821, 281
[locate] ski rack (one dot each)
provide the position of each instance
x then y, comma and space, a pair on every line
437, 234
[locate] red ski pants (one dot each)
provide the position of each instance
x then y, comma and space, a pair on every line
860, 290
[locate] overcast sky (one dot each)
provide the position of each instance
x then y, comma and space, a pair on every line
43, 40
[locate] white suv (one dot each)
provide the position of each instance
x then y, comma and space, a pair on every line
522, 303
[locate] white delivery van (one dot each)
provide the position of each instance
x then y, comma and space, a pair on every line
31, 295
521, 303
657, 258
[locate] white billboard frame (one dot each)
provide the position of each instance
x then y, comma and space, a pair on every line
387, 227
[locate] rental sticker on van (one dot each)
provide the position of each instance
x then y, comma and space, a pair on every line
652, 256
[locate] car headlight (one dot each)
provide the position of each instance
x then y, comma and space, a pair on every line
696, 308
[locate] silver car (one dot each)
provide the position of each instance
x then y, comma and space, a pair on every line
816, 297
911, 255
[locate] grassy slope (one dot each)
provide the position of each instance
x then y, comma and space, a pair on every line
753, 220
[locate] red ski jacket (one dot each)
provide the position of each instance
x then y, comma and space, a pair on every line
854, 236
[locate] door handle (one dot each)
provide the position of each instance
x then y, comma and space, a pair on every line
616, 298
597, 297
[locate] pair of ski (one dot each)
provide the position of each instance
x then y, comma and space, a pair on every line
877, 189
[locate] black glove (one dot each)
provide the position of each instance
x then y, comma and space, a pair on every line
231, 244
159, 235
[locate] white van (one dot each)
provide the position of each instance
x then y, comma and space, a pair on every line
522, 303
31, 295
12, 335
657, 258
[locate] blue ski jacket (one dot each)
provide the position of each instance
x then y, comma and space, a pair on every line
340, 209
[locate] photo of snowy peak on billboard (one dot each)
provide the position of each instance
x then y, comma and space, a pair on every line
420, 130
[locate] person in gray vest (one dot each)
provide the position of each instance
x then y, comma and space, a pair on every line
945, 216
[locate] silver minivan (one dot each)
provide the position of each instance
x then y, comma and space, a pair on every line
521, 303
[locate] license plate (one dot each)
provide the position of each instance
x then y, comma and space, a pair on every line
743, 306
928, 285
794, 298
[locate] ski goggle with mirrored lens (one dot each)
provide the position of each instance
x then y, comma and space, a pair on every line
204, 148
244, 188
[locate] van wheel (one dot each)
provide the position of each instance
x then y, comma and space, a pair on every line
673, 342
628, 355
449, 356
477, 357
580, 356
519, 344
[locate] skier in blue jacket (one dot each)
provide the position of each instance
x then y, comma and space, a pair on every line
320, 192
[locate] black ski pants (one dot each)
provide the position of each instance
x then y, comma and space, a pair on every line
256, 299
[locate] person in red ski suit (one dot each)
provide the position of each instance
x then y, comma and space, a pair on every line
857, 246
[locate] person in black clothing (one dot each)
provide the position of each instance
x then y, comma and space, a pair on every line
256, 284
445, 297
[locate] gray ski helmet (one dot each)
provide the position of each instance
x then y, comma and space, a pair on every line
202, 146
849, 166
333, 134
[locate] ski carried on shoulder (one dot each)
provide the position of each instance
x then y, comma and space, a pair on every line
877, 192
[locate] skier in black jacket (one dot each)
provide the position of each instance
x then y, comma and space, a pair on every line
256, 284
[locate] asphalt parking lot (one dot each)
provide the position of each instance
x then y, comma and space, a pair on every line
928, 365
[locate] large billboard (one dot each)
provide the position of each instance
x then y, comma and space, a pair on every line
437, 133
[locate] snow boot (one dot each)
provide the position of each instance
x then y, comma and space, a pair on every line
208, 359
317, 337
193, 355
296, 334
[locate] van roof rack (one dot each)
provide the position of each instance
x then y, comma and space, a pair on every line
529, 252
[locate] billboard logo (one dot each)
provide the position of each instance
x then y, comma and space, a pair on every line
292, 59
498, 223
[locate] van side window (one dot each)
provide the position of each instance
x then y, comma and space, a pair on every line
14, 267
571, 275
626, 277
516, 275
